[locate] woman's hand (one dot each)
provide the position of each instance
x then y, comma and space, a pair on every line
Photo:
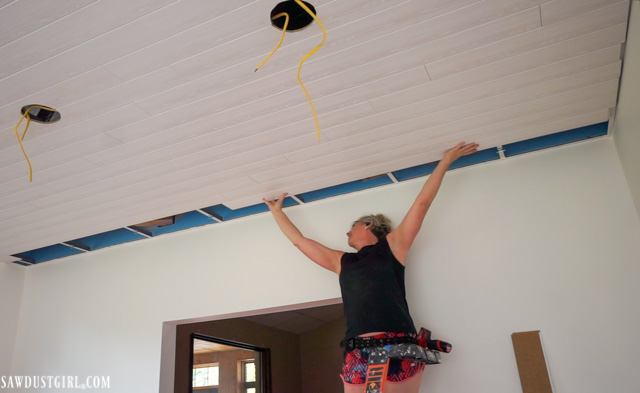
275, 205
459, 150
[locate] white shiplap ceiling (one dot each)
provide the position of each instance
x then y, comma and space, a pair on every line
162, 112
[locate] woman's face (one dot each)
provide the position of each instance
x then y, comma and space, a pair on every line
359, 231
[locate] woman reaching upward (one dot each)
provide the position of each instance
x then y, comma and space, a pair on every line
377, 266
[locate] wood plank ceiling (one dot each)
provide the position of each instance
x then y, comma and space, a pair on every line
163, 113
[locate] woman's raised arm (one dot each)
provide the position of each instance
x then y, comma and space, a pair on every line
318, 253
401, 238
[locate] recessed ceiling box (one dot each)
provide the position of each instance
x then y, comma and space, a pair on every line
41, 113
298, 17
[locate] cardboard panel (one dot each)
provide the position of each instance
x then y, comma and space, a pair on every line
532, 367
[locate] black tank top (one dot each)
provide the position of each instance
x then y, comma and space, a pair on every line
373, 293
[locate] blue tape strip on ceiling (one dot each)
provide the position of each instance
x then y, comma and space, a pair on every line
426, 169
106, 239
48, 253
560, 138
344, 188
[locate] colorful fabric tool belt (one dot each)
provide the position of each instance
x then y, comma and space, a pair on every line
379, 355
364, 342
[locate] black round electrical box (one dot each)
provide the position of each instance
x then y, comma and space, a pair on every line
41, 113
298, 17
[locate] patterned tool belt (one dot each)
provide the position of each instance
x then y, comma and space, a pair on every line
364, 342
421, 348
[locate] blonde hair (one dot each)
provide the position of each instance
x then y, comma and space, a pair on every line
378, 224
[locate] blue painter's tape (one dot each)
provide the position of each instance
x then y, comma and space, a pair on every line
426, 169
560, 138
476, 158
47, 253
106, 239
345, 188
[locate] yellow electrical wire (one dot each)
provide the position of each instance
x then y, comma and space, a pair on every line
324, 38
20, 139
284, 29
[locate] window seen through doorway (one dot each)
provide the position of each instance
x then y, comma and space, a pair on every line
206, 375
222, 366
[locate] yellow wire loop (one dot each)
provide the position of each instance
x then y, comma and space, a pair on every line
20, 139
324, 38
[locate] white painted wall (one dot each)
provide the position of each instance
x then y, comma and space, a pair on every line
11, 284
546, 241
627, 126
